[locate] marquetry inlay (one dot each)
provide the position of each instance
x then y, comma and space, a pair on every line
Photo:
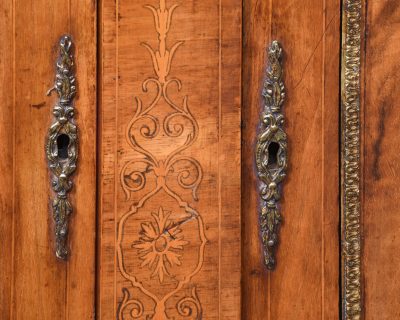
160, 247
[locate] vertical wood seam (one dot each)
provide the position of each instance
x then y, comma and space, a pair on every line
219, 154
13, 161
99, 160
363, 104
323, 163
66, 309
116, 150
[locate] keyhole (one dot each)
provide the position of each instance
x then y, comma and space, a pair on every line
273, 149
62, 146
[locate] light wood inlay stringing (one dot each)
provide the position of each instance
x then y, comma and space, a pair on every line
161, 241
169, 186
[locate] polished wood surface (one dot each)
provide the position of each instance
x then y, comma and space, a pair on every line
381, 141
6, 156
169, 192
177, 207
305, 282
34, 284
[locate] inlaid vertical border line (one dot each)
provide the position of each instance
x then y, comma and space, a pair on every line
350, 160
323, 83
219, 152
100, 157
116, 172
12, 293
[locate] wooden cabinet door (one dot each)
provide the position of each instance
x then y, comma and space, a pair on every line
167, 109
34, 284
169, 159
162, 217
304, 283
379, 123
157, 109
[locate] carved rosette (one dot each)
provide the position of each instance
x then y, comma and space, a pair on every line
271, 154
63, 131
161, 238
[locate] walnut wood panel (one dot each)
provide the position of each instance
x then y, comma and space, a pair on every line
305, 284
381, 220
33, 283
6, 156
169, 174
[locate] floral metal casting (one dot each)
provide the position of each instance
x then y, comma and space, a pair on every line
63, 131
271, 154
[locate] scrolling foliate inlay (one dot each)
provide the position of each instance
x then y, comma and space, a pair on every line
271, 154
160, 246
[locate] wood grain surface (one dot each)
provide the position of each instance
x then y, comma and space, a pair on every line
34, 284
169, 175
177, 249
381, 221
305, 284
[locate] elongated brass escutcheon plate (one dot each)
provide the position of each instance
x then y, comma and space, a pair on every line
62, 144
271, 154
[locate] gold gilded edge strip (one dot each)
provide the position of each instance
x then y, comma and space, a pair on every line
350, 160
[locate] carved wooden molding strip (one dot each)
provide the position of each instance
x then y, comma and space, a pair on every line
350, 160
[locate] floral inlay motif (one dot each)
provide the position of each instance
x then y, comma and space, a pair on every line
160, 243
161, 129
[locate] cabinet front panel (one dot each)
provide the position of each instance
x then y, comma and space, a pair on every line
6, 156
34, 284
380, 128
305, 282
170, 159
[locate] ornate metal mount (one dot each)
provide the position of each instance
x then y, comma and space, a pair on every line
271, 154
352, 28
62, 144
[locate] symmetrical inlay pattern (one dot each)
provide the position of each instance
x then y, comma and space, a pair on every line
159, 132
271, 154
160, 244
351, 213
62, 144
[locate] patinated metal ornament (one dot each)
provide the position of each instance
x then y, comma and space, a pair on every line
350, 160
62, 144
271, 154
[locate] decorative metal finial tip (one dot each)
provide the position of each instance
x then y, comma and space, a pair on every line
66, 42
275, 49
